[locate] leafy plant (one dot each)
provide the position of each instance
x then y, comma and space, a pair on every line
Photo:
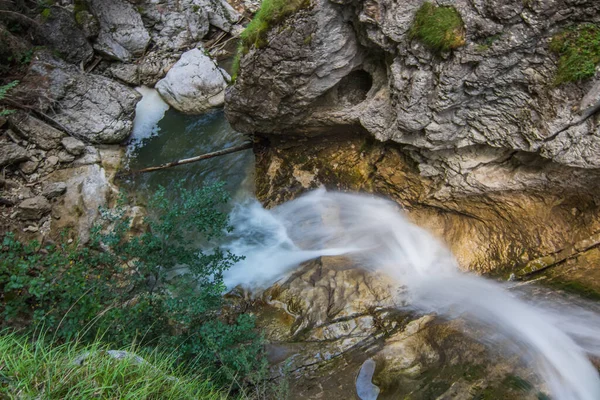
156, 289
3, 92
578, 48
440, 28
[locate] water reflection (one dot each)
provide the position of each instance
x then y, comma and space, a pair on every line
178, 136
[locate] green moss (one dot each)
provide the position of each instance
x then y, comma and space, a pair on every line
45, 14
439, 28
576, 288
578, 48
271, 13
308, 39
487, 42
235, 66
80, 5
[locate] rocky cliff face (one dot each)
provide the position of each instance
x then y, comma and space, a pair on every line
478, 143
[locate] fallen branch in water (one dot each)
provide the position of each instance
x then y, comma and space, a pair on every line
206, 156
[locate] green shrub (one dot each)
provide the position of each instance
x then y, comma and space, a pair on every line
156, 289
578, 48
33, 369
439, 28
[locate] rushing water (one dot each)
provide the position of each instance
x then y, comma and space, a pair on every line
553, 338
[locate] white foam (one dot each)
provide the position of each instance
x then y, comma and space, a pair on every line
148, 113
553, 338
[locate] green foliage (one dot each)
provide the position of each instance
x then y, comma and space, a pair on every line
578, 48
3, 92
156, 289
439, 28
35, 370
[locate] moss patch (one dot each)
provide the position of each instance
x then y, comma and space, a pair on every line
439, 28
271, 13
577, 288
579, 51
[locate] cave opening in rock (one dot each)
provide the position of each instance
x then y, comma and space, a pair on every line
353, 88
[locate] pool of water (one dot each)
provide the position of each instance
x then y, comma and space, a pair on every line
163, 135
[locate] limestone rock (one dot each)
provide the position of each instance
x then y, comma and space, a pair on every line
73, 146
29, 167
88, 105
52, 190
89, 186
61, 32
495, 91
88, 24
194, 84
11, 153
220, 13
33, 208
122, 33
127, 73
65, 157
36, 131
173, 24
154, 66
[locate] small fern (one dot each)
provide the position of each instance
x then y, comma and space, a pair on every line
3, 92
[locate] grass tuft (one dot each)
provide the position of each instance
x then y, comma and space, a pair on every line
578, 48
271, 13
37, 370
439, 27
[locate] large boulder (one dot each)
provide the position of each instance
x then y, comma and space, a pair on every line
62, 33
194, 84
122, 32
88, 106
278, 83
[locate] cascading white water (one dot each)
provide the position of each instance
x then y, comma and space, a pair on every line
148, 112
555, 339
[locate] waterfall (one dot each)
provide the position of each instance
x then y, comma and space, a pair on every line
148, 113
554, 339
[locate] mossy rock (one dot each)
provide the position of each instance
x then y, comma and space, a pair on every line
578, 48
440, 28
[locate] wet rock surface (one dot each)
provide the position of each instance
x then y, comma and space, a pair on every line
327, 319
477, 144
